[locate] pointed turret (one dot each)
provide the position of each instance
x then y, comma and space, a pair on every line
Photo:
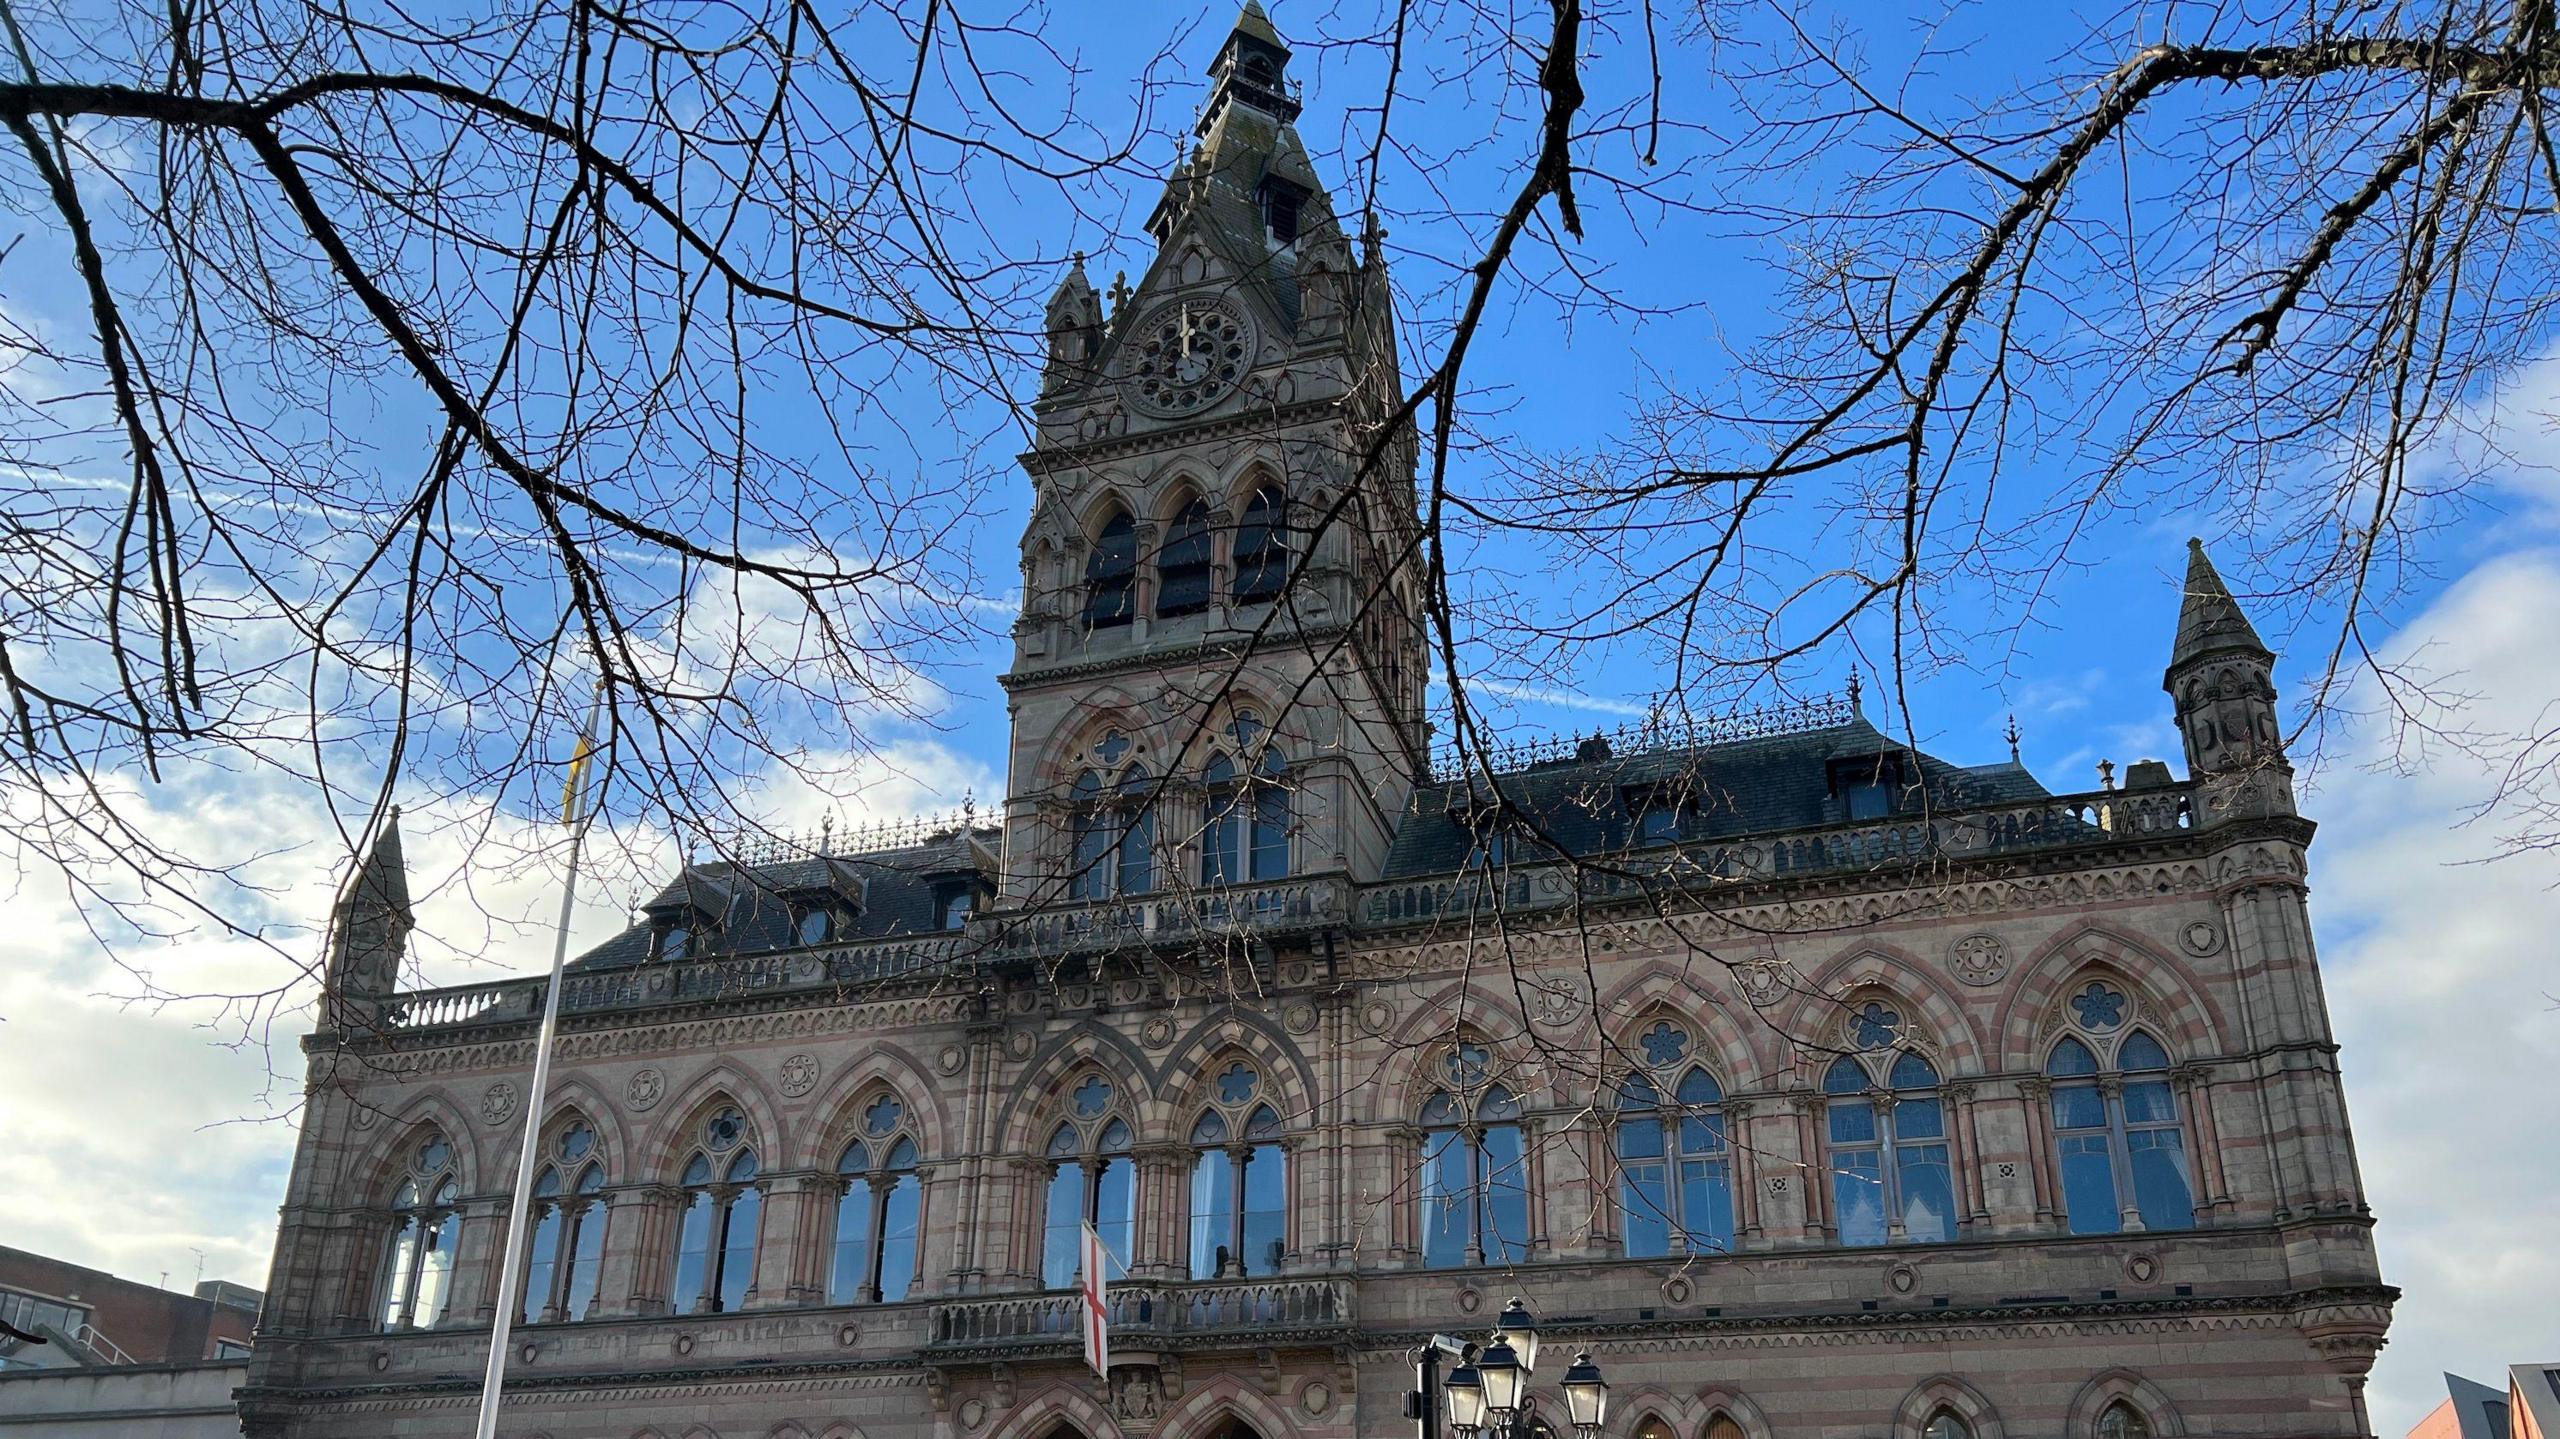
1075, 329
2210, 622
2221, 680
368, 935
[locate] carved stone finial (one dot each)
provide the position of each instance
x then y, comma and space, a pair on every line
2106, 774
2013, 739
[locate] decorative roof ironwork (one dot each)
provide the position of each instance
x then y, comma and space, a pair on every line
757, 849
1652, 736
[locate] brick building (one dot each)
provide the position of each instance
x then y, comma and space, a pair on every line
1821, 1086
88, 1316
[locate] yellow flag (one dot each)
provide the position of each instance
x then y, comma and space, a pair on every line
570, 793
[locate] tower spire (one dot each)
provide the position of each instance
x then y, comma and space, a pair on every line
368, 933
2210, 621
2221, 683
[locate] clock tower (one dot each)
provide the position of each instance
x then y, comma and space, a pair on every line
1218, 670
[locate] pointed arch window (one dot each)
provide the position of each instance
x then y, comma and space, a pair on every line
1246, 837
1946, 1424
1724, 1426
1111, 573
1891, 1180
1239, 1182
1262, 547
1092, 1179
1475, 1173
723, 1216
568, 1231
1183, 575
417, 1264
2118, 1142
1675, 1170
1114, 828
2122, 1421
880, 1212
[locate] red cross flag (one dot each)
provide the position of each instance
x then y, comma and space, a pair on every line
1097, 1329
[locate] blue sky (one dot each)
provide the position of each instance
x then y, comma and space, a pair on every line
164, 1120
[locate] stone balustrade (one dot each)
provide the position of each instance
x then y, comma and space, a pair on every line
826, 968
1314, 903
1147, 1311
1945, 837
1243, 910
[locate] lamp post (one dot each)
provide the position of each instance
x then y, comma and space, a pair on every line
1486, 1396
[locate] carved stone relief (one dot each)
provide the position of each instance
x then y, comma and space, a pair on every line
1979, 959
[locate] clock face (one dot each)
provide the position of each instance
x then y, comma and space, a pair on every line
1186, 357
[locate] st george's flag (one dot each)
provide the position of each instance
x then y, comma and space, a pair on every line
1097, 1328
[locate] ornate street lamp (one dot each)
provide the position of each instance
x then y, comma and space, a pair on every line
1586, 1396
1487, 1394
1516, 1328
1504, 1379
1464, 1390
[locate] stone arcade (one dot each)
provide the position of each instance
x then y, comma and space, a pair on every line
1821, 1086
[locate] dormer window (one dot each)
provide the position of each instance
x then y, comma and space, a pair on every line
1280, 212
953, 904
677, 941
816, 925
1658, 815
1867, 787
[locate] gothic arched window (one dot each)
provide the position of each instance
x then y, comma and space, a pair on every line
1111, 573
2122, 1421
1262, 547
878, 1217
568, 1230
1891, 1181
1239, 1182
723, 1214
1475, 1173
1946, 1424
1724, 1426
2121, 1151
1092, 1180
1675, 1171
417, 1265
1114, 826
1246, 836
1183, 575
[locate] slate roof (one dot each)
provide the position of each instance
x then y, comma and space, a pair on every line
895, 888
1749, 786
2210, 621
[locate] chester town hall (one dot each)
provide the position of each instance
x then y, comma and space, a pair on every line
1821, 1087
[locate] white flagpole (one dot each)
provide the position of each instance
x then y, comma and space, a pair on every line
511, 1271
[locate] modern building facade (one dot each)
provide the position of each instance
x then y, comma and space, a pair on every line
82, 1317
1821, 1087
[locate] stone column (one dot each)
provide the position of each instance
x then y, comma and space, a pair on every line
1743, 1144
2036, 1095
1162, 1172
1964, 1155
1811, 1214
1294, 1230
354, 1253
2195, 1101
979, 1193
639, 1239
786, 1248
478, 1256
1029, 1183
1400, 1155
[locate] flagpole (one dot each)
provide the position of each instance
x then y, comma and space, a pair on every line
511, 1270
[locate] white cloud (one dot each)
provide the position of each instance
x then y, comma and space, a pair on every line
2440, 981
142, 1133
